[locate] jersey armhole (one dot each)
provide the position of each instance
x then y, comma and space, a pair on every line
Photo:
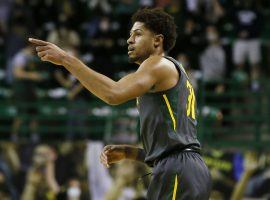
176, 65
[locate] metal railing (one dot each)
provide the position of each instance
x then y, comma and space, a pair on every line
233, 116
242, 115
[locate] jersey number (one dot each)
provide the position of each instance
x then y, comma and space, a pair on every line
191, 101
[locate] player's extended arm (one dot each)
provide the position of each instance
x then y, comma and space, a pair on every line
112, 92
115, 153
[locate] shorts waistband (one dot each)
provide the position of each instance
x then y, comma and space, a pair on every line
176, 151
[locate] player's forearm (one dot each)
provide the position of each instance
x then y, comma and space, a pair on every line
98, 84
134, 153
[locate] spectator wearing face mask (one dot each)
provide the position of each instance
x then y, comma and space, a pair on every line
74, 189
213, 58
213, 67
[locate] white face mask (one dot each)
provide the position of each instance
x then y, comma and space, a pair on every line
73, 193
212, 37
104, 25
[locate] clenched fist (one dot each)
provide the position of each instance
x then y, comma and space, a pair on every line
112, 154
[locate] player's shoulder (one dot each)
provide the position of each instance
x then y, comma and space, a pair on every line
159, 67
156, 62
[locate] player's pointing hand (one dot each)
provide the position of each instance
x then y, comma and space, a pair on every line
49, 52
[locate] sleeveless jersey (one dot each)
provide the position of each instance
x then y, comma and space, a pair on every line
168, 118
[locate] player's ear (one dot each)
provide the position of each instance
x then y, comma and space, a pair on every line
158, 40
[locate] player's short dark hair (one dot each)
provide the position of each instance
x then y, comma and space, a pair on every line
160, 22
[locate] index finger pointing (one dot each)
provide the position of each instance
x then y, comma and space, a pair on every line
38, 42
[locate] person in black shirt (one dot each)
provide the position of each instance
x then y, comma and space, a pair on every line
166, 103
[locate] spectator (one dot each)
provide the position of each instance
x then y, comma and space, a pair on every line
64, 36
7, 187
14, 43
5, 9
20, 23
213, 58
74, 189
220, 163
102, 44
104, 5
146, 3
258, 185
190, 41
250, 165
126, 7
214, 12
126, 185
194, 75
162, 3
41, 182
2, 46
126, 131
192, 8
40, 10
76, 123
247, 44
25, 79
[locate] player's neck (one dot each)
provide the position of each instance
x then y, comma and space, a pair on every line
158, 53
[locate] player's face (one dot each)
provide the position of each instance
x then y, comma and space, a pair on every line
140, 43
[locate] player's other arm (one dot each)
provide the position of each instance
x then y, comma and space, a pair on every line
115, 153
112, 92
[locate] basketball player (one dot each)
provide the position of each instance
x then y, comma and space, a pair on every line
166, 103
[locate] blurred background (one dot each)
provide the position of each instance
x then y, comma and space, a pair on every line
52, 130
